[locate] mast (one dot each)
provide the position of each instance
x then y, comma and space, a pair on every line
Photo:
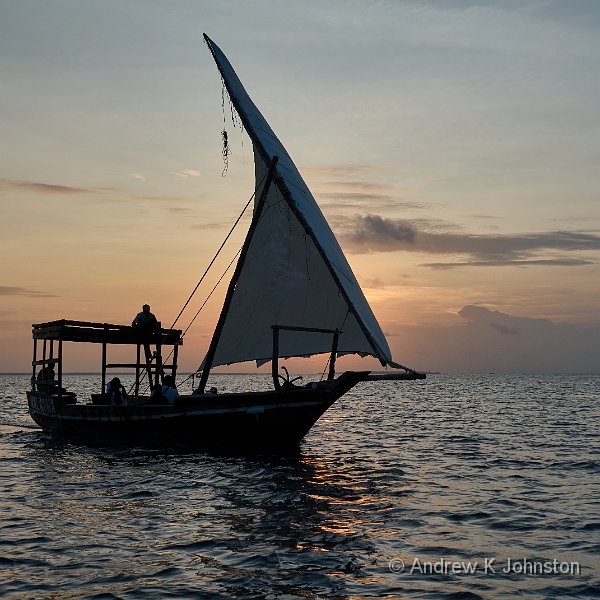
210, 355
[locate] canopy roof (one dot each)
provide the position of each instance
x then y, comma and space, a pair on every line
99, 333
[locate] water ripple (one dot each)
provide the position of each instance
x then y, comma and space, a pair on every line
454, 468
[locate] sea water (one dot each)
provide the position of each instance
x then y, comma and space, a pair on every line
453, 487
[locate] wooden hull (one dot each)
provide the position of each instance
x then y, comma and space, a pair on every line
247, 420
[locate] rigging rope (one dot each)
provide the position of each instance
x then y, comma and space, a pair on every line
211, 292
196, 315
211, 264
218, 252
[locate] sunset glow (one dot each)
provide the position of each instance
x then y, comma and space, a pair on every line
457, 166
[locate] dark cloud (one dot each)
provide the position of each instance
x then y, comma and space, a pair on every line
42, 188
373, 233
557, 262
505, 329
6, 290
473, 312
492, 341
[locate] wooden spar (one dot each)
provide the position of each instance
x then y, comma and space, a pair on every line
133, 366
334, 347
212, 349
409, 376
159, 366
288, 197
275, 358
44, 359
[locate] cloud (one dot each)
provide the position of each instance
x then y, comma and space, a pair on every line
473, 312
138, 176
354, 196
485, 340
374, 283
557, 262
349, 170
361, 202
43, 188
505, 329
216, 224
343, 187
364, 200
187, 173
536, 344
357, 185
21, 291
179, 210
373, 233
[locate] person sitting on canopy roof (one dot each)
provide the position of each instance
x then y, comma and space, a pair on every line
146, 325
145, 321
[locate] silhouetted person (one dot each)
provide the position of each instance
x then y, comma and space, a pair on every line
44, 378
147, 328
169, 391
116, 392
145, 322
157, 396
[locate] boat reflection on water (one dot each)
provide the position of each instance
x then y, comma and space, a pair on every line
226, 515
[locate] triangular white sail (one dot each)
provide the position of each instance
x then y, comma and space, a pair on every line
294, 272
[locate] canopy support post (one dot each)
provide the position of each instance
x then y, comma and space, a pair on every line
44, 358
158, 376
212, 349
103, 367
60, 387
33, 364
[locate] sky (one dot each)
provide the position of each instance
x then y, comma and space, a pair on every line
452, 145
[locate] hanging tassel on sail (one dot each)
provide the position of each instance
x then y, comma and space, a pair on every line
226, 152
